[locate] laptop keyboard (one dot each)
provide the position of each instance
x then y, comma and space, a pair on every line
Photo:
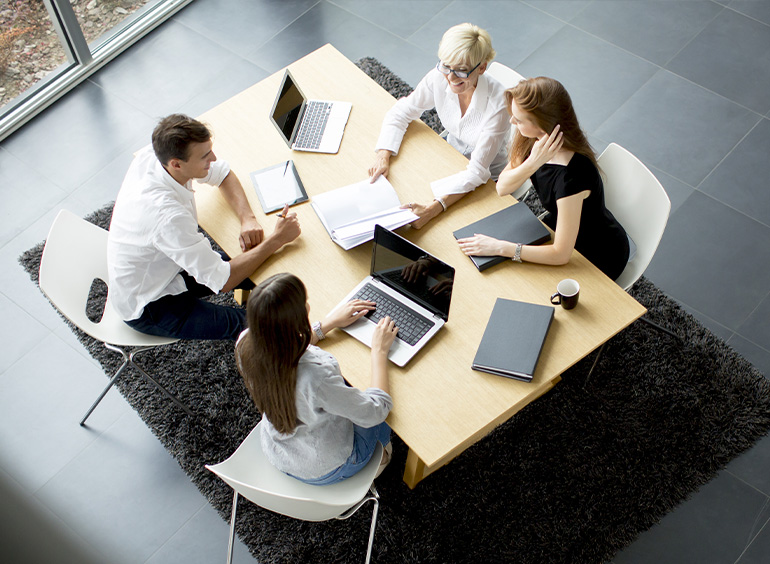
313, 124
411, 325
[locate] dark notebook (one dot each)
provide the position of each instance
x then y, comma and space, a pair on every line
516, 223
513, 339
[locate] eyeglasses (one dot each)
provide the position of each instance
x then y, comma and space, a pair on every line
443, 69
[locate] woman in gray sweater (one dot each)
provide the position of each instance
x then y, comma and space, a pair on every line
318, 429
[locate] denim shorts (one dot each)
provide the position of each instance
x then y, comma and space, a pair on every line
364, 442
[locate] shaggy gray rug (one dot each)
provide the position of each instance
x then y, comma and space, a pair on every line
574, 477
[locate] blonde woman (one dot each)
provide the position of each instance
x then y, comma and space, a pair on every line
472, 111
552, 150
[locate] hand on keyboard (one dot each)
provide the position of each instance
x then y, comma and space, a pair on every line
347, 313
384, 335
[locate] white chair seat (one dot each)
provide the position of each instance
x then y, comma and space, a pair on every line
75, 255
248, 472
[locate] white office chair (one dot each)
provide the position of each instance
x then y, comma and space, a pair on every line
75, 255
641, 205
251, 475
509, 78
638, 202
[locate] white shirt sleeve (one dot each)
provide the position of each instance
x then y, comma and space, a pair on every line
177, 236
494, 130
406, 110
218, 171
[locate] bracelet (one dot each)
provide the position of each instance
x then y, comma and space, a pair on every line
517, 253
317, 330
441, 201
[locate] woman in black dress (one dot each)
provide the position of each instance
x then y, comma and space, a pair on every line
552, 150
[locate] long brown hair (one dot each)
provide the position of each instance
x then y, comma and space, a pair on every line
279, 333
548, 104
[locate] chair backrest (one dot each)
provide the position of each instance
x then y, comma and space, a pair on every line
638, 202
75, 255
250, 474
509, 78
504, 75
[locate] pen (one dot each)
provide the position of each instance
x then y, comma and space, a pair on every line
285, 168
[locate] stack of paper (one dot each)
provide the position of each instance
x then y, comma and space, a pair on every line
350, 213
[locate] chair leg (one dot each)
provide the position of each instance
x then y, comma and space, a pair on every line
660, 328
126, 361
376, 499
168, 394
231, 543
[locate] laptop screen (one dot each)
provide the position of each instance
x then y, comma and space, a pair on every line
287, 107
411, 271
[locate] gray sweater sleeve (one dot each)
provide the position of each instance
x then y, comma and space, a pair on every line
364, 408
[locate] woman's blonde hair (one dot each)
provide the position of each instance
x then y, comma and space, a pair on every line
549, 104
466, 44
279, 333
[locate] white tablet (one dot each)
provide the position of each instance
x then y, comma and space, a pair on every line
278, 185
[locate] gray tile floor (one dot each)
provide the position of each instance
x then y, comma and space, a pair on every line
682, 84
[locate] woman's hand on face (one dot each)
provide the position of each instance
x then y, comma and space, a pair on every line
347, 313
384, 335
546, 147
381, 165
480, 245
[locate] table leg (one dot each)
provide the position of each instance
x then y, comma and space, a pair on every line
414, 471
241, 296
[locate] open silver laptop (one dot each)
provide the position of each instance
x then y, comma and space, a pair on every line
308, 125
410, 285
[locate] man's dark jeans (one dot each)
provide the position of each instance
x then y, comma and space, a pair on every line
187, 316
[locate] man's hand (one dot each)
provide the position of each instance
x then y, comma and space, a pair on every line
252, 234
287, 227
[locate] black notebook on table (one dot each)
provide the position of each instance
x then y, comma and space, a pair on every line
513, 339
516, 223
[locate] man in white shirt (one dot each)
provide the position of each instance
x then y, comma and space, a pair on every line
159, 263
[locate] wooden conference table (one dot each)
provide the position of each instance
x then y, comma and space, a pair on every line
441, 406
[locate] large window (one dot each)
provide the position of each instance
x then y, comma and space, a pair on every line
48, 46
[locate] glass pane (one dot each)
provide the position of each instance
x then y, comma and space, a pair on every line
99, 19
29, 47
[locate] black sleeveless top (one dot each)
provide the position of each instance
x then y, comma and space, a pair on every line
601, 238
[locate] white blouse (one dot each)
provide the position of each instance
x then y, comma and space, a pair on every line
481, 134
154, 236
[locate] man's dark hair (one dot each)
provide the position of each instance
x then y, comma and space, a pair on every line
174, 134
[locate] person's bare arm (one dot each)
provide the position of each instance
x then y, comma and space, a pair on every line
241, 267
426, 212
252, 233
384, 335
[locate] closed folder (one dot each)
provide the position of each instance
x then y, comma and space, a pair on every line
513, 339
515, 223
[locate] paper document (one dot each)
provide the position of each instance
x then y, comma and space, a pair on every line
350, 213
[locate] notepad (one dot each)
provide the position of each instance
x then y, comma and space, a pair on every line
517, 224
513, 339
350, 213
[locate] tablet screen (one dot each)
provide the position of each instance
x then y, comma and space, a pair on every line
278, 185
